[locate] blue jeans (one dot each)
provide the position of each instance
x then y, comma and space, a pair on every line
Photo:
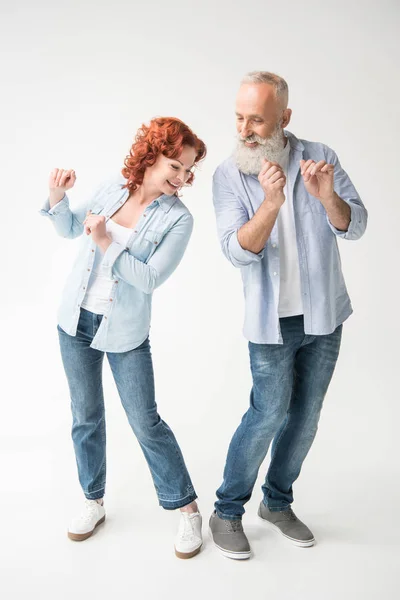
133, 375
289, 385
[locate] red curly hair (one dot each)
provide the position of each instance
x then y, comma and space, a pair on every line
163, 135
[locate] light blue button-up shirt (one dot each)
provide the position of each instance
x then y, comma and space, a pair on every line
326, 303
152, 253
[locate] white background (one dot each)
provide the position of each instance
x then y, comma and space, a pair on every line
78, 79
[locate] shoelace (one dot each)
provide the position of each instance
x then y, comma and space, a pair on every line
188, 528
233, 526
288, 515
90, 509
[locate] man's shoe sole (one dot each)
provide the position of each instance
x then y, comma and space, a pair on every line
229, 553
299, 543
79, 537
188, 554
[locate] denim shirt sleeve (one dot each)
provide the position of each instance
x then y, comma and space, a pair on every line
148, 276
230, 216
347, 192
68, 223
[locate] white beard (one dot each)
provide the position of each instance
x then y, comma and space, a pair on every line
250, 160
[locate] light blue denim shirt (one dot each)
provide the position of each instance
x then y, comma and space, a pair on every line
152, 253
326, 303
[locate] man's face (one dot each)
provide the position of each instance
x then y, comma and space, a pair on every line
257, 111
260, 119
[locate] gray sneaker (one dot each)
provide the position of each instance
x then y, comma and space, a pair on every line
229, 537
286, 522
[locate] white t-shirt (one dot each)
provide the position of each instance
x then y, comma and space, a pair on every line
97, 295
290, 300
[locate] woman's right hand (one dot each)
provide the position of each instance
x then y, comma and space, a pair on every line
60, 181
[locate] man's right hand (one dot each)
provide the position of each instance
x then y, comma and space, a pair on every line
60, 181
273, 180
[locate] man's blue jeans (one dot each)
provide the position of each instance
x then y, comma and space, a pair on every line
133, 375
289, 385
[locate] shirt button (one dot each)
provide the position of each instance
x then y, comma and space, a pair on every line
105, 317
88, 269
84, 288
135, 231
92, 250
145, 215
274, 245
110, 299
275, 273
115, 281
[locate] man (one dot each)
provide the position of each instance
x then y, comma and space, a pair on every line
281, 203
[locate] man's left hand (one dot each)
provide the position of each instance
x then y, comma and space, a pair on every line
318, 179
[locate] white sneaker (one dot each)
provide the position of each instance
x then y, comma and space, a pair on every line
188, 540
82, 527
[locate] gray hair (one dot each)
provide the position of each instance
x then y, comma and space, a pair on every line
278, 83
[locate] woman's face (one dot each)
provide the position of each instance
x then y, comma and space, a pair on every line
168, 175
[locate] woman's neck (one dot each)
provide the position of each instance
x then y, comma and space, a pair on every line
145, 195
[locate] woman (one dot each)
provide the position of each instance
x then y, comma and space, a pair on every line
137, 231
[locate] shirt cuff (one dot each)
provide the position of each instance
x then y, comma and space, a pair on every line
339, 232
61, 206
113, 251
240, 255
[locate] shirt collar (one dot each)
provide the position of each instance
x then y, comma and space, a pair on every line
166, 202
294, 142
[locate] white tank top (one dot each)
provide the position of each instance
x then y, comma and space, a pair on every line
99, 287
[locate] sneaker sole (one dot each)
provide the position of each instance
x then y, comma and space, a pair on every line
295, 542
185, 555
228, 553
79, 537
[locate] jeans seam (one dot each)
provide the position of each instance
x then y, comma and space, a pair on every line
189, 484
103, 436
280, 437
178, 503
165, 499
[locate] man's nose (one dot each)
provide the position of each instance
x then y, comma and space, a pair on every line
245, 130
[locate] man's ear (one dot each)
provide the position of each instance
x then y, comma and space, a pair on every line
287, 113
